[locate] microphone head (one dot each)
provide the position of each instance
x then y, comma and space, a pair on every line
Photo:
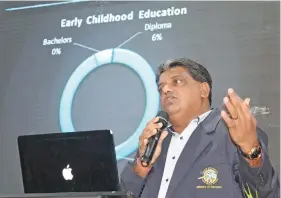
163, 118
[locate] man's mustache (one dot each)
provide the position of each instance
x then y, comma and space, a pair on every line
170, 95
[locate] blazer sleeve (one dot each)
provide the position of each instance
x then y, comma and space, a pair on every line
261, 182
130, 181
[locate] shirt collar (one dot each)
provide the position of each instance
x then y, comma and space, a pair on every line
198, 120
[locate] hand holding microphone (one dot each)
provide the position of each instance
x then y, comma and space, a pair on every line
150, 143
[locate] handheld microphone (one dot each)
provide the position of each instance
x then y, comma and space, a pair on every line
153, 140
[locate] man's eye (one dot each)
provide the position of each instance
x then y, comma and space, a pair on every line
177, 81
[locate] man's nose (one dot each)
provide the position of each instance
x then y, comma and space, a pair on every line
167, 88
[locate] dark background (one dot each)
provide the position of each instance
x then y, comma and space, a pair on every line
238, 42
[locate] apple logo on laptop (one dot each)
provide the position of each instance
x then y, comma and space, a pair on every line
66, 173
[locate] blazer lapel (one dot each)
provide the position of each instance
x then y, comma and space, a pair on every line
198, 144
158, 168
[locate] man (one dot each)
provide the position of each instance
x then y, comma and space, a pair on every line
206, 152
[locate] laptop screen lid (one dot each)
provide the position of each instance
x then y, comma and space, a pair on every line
82, 161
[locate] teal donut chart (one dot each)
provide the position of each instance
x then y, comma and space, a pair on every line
120, 56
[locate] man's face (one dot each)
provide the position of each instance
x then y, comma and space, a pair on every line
178, 91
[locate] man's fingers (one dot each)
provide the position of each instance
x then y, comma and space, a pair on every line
233, 96
142, 146
235, 100
153, 126
153, 121
159, 146
237, 103
245, 107
247, 101
230, 108
229, 122
145, 141
162, 137
151, 130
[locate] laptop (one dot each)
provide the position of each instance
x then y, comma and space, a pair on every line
69, 162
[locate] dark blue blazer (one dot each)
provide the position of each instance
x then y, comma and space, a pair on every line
210, 166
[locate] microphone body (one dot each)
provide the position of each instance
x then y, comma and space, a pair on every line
153, 140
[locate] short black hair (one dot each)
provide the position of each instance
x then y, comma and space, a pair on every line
198, 72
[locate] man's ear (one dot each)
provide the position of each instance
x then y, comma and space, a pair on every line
204, 90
